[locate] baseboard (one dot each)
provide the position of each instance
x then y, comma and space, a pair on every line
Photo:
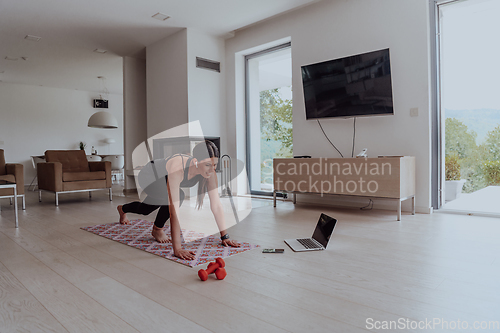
424, 210
264, 197
129, 191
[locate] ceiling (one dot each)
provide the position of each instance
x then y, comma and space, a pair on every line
70, 31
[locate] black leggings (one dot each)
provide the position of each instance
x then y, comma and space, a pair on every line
142, 208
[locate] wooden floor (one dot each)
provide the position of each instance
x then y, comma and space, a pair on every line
55, 277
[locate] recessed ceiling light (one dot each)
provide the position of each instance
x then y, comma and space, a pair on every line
100, 51
160, 16
32, 38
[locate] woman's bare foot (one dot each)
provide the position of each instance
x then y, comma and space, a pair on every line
160, 235
123, 216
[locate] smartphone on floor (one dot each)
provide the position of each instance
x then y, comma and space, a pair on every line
273, 251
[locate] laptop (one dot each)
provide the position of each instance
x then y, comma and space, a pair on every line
319, 239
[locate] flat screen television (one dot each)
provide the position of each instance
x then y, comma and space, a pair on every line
358, 85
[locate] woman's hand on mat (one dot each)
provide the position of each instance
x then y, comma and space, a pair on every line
184, 254
230, 242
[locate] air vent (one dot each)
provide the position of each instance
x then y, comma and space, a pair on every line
208, 64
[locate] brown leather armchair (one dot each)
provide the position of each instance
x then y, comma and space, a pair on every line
69, 171
12, 172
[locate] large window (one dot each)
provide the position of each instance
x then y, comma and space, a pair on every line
269, 114
470, 107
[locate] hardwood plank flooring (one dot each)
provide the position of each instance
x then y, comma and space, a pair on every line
20, 310
55, 277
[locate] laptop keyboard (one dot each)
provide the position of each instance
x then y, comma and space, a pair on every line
308, 243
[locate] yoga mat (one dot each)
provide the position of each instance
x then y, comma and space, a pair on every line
138, 234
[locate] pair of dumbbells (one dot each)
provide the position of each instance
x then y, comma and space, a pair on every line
216, 267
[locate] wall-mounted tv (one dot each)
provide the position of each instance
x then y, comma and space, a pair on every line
358, 85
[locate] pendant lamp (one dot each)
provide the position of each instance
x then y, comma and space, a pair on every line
102, 119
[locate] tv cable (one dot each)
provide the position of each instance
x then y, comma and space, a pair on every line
326, 136
353, 137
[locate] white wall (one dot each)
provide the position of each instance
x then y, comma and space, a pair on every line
206, 94
167, 83
134, 111
334, 29
177, 91
34, 119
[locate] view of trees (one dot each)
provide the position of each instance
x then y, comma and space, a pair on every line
459, 139
479, 163
276, 130
493, 143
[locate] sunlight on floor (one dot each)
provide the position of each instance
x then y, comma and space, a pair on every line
484, 201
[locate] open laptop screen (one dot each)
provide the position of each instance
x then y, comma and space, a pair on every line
324, 229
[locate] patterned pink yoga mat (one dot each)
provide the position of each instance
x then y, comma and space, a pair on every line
138, 234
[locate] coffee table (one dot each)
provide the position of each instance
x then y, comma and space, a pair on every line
7, 184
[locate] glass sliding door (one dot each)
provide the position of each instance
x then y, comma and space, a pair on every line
470, 107
269, 114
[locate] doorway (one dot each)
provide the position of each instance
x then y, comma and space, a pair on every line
469, 105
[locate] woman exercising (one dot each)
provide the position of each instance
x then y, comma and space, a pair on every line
162, 181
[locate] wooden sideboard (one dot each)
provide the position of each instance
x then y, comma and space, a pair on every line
383, 177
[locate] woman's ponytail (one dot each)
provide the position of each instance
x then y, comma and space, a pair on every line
201, 151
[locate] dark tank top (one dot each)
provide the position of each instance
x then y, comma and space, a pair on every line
153, 179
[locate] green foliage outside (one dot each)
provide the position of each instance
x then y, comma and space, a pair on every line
452, 167
477, 162
492, 172
493, 143
276, 130
459, 139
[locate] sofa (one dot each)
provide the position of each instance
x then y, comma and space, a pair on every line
12, 172
68, 171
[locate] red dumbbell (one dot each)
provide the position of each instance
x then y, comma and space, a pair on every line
220, 273
216, 267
